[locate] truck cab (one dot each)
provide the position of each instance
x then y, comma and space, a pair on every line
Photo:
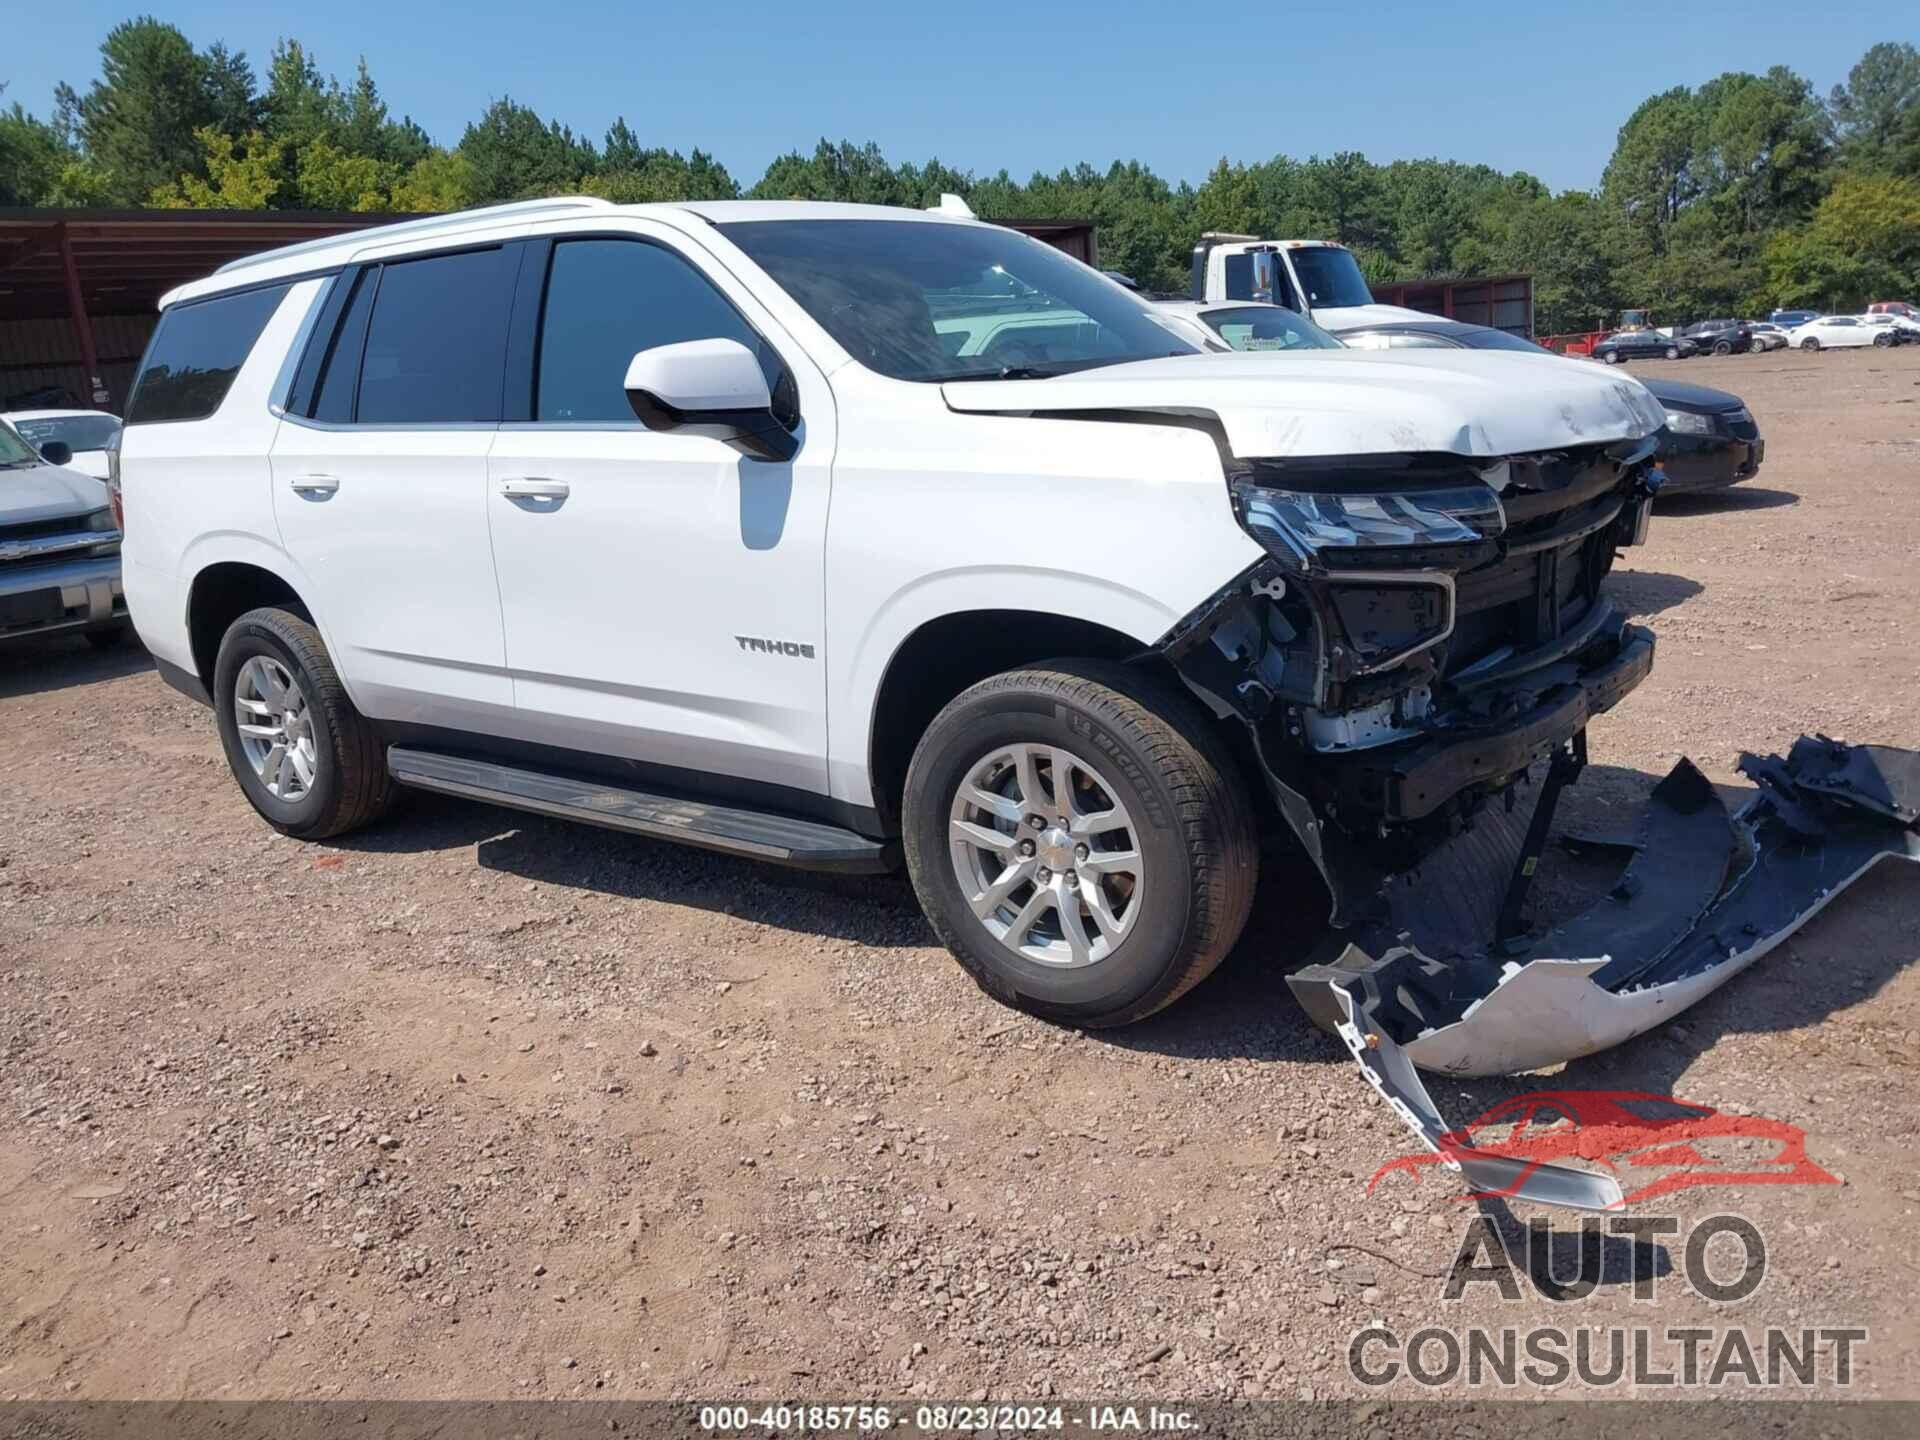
1315, 278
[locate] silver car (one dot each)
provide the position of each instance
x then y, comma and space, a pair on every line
59, 547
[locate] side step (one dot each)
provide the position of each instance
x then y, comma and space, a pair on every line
805, 844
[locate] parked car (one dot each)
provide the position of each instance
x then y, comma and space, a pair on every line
1767, 335
1894, 307
1709, 440
87, 434
59, 547
1892, 329
530, 505
1788, 319
1644, 345
1721, 337
1240, 325
1837, 332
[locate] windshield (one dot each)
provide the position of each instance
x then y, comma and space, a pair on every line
76, 432
930, 302
15, 451
1330, 275
1268, 327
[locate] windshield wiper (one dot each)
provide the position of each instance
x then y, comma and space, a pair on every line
1005, 372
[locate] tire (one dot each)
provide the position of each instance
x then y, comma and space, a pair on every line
1881, 342
1133, 743
1673, 352
1612, 357
348, 785
1809, 343
1722, 348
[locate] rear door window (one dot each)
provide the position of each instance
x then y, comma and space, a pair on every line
196, 351
437, 340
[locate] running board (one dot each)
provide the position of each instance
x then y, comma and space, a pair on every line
781, 839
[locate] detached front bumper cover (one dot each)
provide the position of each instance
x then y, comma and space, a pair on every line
1704, 897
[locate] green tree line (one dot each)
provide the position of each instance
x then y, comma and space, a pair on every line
1743, 193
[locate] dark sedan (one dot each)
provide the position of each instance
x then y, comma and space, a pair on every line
1644, 345
1722, 337
1710, 439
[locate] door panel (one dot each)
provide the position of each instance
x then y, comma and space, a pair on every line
390, 527
379, 484
625, 600
661, 594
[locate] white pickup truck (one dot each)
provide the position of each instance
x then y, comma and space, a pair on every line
1316, 278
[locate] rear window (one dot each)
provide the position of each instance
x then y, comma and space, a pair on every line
196, 351
437, 341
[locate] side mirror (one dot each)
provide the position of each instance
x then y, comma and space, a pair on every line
716, 388
57, 452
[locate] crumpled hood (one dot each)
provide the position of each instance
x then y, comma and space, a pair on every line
1273, 405
46, 492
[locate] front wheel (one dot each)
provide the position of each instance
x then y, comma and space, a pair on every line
1882, 341
1081, 841
1722, 347
306, 759
1810, 343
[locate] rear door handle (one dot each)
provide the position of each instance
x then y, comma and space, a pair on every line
315, 484
533, 487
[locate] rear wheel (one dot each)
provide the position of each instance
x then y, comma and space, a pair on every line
1612, 357
1080, 840
306, 759
1809, 343
1673, 352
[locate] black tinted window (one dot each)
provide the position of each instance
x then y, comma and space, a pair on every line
437, 342
341, 368
607, 299
196, 351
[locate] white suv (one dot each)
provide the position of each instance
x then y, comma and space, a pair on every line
848, 537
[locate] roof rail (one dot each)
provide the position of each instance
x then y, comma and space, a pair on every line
452, 220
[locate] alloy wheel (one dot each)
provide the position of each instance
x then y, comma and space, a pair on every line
1046, 855
276, 729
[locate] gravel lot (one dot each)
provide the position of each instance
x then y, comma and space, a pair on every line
479, 1105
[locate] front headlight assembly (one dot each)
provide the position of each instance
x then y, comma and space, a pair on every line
1307, 523
101, 522
1686, 422
1379, 562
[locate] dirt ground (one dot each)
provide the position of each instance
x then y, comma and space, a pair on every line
479, 1105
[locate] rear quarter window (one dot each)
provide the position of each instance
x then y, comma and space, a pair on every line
197, 350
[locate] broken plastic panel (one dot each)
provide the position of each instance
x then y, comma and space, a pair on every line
1704, 897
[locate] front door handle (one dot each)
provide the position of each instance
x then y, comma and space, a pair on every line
533, 487
315, 484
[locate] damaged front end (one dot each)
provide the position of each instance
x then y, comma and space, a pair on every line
1424, 633
1425, 629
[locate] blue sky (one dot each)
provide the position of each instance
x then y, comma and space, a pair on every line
1541, 87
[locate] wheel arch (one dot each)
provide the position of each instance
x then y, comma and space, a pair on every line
946, 654
220, 593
